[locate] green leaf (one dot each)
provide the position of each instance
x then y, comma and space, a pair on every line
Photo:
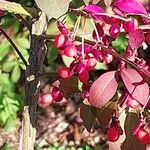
120, 44
23, 42
8, 21
4, 79
4, 49
23, 67
53, 8
67, 60
101, 66
6, 147
86, 1
8, 66
10, 124
52, 53
15, 74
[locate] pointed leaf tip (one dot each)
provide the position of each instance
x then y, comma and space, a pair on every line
135, 84
131, 7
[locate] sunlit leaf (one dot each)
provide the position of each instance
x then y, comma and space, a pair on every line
106, 83
16, 74
53, 8
131, 7
23, 42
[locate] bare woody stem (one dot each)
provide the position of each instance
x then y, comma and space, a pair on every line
32, 83
14, 46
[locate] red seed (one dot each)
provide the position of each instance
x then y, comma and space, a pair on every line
45, 100
114, 30
59, 40
84, 76
57, 94
143, 136
113, 134
70, 51
64, 72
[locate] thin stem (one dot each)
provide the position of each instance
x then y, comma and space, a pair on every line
76, 27
27, 24
142, 110
14, 46
114, 16
83, 28
96, 31
145, 27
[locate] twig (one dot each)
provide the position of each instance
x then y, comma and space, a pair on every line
28, 25
13, 7
14, 46
83, 30
108, 50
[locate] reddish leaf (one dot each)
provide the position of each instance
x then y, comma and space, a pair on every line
93, 9
131, 7
136, 38
103, 89
135, 84
87, 115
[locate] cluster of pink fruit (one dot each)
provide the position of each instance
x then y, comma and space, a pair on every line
85, 56
141, 132
56, 95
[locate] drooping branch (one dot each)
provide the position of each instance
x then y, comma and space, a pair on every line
13, 7
27, 24
14, 46
109, 51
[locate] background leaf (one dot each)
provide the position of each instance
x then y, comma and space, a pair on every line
53, 8
120, 44
16, 74
52, 53
86, 1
